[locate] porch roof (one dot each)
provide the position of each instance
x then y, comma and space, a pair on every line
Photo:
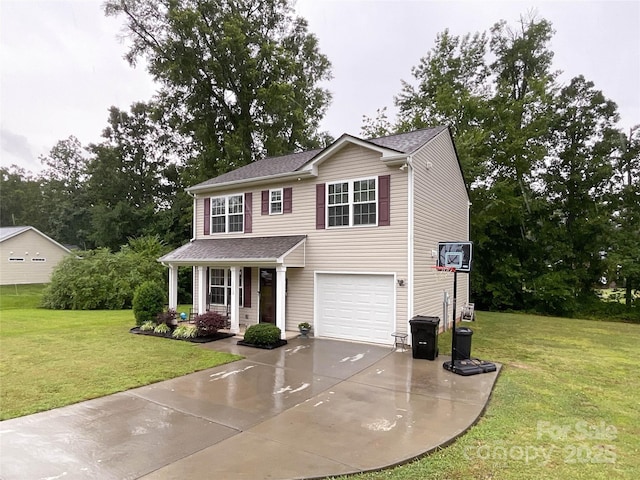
245, 251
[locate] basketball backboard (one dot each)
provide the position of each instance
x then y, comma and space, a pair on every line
455, 254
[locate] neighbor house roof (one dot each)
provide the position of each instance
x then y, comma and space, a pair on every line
9, 232
257, 249
403, 143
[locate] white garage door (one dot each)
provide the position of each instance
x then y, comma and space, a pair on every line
355, 307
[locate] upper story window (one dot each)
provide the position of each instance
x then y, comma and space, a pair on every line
16, 259
227, 214
352, 203
38, 259
275, 201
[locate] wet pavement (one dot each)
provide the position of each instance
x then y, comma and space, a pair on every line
312, 408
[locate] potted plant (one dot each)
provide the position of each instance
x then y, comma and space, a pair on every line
304, 328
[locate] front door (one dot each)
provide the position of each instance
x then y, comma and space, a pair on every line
268, 295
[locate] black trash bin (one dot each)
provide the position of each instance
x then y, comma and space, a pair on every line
424, 337
463, 343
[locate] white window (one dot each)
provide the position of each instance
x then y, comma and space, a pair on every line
227, 214
352, 203
220, 286
275, 201
16, 259
38, 259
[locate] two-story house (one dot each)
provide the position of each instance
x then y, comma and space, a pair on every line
343, 237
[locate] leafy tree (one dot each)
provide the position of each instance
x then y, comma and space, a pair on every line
625, 246
64, 198
239, 77
21, 199
576, 188
452, 89
127, 185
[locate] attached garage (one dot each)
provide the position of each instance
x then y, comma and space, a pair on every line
358, 307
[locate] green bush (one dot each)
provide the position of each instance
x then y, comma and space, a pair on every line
262, 334
101, 280
148, 302
162, 328
185, 331
147, 327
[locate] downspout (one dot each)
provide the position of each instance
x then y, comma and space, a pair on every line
193, 219
410, 243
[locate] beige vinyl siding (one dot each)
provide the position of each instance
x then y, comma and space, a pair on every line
367, 249
440, 214
356, 249
28, 245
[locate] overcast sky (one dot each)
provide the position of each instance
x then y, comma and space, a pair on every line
61, 64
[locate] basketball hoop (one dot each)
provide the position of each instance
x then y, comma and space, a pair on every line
442, 272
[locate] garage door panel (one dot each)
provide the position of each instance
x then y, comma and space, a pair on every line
356, 307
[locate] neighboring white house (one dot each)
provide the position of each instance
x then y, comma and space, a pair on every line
28, 255
342, 237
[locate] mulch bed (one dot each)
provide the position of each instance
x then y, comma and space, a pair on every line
265, 347
203, 339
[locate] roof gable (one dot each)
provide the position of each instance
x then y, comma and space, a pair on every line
275, 167
9, 232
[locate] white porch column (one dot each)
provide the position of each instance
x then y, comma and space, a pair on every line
202, 289
281, 298
173, 287
235, 300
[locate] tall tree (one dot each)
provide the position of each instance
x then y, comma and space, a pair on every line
451, 87
127, 186
241, 77
577, 189
63, 190
625, 245
21, 199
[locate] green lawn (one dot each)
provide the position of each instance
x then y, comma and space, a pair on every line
569, 390
53, 358
565, 404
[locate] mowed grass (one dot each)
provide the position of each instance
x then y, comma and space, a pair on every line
566, 404
49, 358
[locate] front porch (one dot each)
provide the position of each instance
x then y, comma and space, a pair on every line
244, 279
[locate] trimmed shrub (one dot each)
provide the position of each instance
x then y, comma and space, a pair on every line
148, 302
185, 331
262, 334
209, 323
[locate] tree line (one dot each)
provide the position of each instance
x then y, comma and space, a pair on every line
553, 182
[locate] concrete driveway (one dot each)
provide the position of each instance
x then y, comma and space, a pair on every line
312, 408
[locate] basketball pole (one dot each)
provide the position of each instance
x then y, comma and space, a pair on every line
453, 333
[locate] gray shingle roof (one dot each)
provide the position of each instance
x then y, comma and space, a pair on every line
249, 248
402, 142
8, 232
265, 168
407, 142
